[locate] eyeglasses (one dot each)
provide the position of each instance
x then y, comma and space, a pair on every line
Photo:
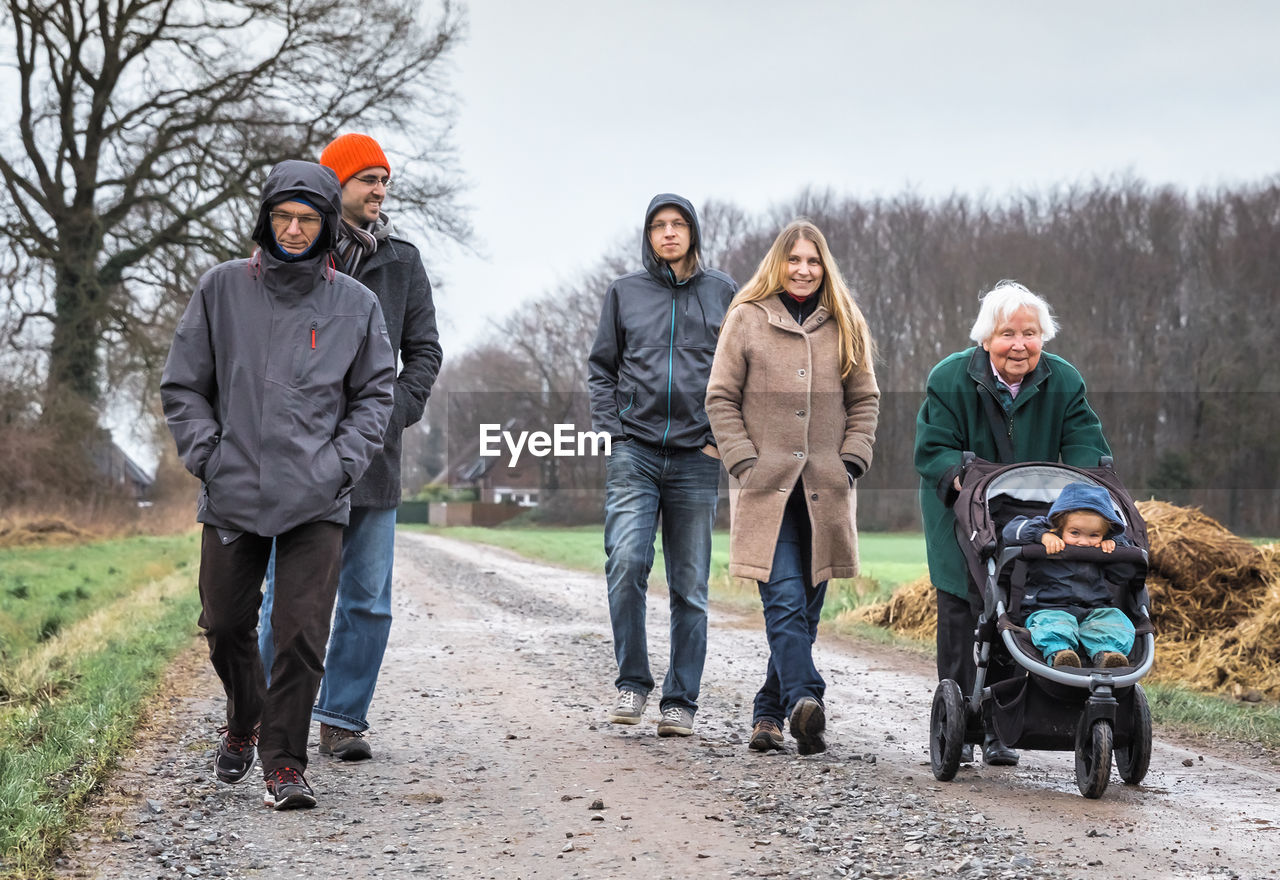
306, 222
372, 180
660, 226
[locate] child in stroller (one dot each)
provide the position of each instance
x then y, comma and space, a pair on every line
1070, 602
1097, 711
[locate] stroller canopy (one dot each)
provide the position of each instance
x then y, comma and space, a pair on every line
991, 494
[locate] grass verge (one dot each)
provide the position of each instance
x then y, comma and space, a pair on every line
1215, 716
73, 697
43, 589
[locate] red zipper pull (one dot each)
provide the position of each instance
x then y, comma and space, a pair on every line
313, 338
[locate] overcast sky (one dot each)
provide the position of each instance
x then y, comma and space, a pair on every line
575, 112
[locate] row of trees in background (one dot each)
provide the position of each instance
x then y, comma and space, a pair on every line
139, 132
1167, 302
135, 141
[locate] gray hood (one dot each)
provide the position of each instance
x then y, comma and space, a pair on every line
655, 265
315, 184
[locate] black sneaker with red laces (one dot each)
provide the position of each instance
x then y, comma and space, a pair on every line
287, 790
237, 753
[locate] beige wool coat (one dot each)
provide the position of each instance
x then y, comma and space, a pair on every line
781, 413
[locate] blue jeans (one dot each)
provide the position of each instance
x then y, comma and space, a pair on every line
792, 609
1103, 629
644, 486
361, 620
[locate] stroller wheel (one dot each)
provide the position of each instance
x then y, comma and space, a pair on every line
1093, 759
946, 730
1132, 760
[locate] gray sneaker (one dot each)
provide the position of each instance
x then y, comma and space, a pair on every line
676, 721
629, 708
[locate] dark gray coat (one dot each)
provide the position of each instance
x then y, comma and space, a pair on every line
396, 276
648, 368
278, 386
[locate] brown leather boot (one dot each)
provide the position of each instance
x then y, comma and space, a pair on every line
347, 745
766, 735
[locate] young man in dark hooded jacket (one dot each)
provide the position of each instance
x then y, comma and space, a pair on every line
278, 390
648, 372
369, 250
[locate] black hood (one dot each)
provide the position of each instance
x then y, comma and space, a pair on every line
309, 182
655, 265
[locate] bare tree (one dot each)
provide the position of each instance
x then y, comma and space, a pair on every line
140, 132
725, 230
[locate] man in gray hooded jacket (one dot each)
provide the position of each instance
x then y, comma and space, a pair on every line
648, 372
370, 250
278, 391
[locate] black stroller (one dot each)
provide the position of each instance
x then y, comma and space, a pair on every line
1094, 712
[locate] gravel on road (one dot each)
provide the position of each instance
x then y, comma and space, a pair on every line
493, 759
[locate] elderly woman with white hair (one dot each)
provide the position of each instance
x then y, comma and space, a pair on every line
1005, 400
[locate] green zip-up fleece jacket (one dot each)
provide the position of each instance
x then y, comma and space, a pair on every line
1050, 420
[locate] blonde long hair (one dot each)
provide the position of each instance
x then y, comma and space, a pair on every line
856, 346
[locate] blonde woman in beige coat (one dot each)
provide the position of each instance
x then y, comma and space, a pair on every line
793, 404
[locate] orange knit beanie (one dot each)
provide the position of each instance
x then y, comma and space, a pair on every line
349, 154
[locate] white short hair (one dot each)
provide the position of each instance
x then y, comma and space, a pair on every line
999, 304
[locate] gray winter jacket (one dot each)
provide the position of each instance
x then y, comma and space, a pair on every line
278, 387
396, 276
648, 368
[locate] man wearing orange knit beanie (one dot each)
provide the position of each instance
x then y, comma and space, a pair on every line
369, 250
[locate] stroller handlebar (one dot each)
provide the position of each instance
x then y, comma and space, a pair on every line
1133, 555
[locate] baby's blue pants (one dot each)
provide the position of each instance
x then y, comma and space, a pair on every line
1103, 629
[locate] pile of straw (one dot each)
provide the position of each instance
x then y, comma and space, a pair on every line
39, 531
911, 612
1205, 578
1215, 602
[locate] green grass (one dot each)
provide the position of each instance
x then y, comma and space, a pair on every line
892, 558
43, 589
73, 697
1209, 715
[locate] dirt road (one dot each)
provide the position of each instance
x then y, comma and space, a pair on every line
493, 760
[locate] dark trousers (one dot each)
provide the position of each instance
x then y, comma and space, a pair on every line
957, 619
792, 610
307, 564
